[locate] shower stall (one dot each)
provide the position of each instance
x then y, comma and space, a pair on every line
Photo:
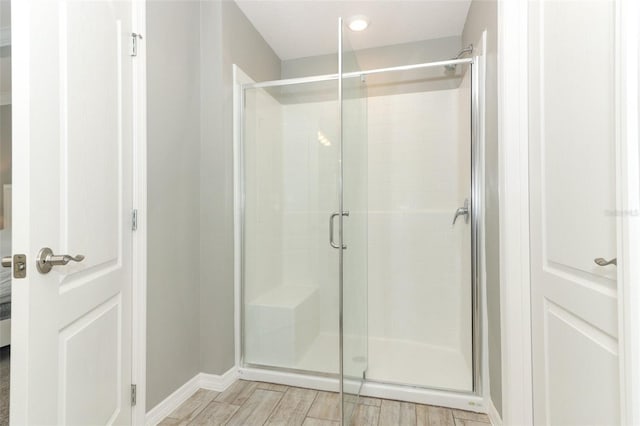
358, 200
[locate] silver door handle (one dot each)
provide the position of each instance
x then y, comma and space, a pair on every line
331, 218
47, 260
603, 262
462, 211
6, 261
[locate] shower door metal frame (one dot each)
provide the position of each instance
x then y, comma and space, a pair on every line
477, 219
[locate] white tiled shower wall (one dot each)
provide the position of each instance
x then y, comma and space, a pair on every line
263, 166
291, 177
416, 169
419, 173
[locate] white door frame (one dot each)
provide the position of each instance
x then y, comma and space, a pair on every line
628, 206
513, 161
514, 210
139, 302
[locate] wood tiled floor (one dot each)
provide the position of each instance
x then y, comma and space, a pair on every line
254, 403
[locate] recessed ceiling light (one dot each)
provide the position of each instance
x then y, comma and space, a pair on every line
358, 23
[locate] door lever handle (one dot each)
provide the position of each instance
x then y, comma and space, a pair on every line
47, 260
603, 262
462, 211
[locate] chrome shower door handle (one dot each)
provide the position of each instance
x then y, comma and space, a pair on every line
462, 211
603, 262
47, 260
331, 219
333, 216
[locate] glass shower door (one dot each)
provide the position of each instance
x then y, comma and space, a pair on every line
353, 227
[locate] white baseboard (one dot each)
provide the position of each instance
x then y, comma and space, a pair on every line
218, 383
199, 381
173, 401
493, 414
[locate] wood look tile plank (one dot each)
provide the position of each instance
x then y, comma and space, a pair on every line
389, 412
326, 407
214, 414
238, 392
349, 405
273, 387
257, 409
367, 400
366, 415
255, 403
194, 405
397, 413
293, 407
408, 414
464, 422
168, 421
470, 415
310, 421
427, 415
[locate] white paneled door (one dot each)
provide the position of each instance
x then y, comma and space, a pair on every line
573, 134
72, 148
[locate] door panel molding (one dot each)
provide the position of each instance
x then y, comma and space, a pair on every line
602, 338
566, 272
596, 378
66, 337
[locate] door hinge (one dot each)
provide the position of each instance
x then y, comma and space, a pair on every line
134, 219
134, 43
134, 395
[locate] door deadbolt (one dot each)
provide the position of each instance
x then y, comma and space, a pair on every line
19, 263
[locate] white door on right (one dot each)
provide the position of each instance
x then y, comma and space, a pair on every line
573, 108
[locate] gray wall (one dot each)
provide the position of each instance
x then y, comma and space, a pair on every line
227, 37
173, 102
191, 46
483, 14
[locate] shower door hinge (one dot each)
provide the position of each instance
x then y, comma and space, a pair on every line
134, 220
134, 43
134, 396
